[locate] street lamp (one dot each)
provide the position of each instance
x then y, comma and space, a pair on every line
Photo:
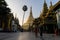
24, 9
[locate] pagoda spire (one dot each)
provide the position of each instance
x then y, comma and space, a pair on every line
45, 8
50, 4
30, 15
30, 12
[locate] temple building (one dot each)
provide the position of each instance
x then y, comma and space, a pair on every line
49, 17
29, 20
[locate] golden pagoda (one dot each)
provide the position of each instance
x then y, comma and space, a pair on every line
29, 21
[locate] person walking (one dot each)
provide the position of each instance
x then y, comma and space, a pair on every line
56, 31
36, 31
41, 31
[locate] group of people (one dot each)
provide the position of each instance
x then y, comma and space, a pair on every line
38, 30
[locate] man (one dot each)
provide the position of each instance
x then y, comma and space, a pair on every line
41, 31
36, 31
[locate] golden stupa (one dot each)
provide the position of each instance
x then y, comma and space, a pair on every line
29, 21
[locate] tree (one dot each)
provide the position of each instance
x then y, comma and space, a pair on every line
3, 8
4, 18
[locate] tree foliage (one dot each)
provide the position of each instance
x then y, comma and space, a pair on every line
3, 8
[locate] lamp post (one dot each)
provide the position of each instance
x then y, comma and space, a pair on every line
24, 9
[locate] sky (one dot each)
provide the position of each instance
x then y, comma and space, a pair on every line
37, 6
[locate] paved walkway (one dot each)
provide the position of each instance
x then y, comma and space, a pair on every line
31, 36
27, 36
